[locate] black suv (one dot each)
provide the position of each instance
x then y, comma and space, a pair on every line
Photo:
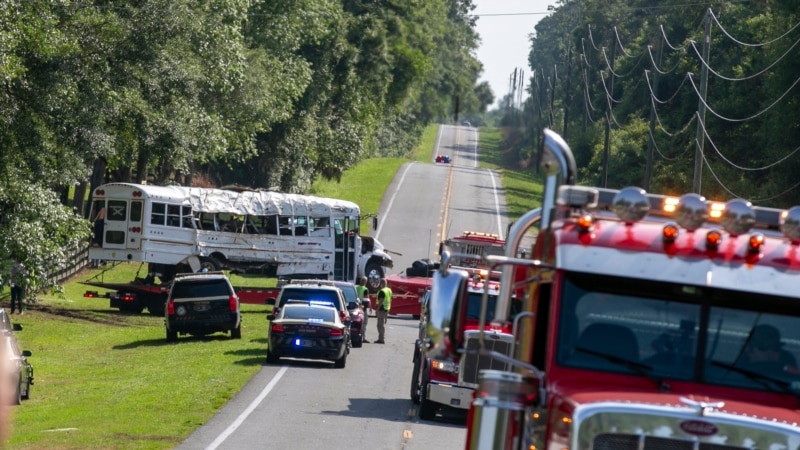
201, 304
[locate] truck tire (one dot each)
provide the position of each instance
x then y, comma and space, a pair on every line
236, 333
156, 309
132, 309
272, 359
374, 272
415, 378
427, 408
172, 336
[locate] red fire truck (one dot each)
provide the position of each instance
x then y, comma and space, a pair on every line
650, 322
446, 382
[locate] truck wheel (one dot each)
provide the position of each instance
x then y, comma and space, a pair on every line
133, 309
210, 263
415, 378
271, 358
427, 408
374, 273
172, 336
156, 309
236, 333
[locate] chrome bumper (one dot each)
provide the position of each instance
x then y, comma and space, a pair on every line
450, 395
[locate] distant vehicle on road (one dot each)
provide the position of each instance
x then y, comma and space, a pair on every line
442, 159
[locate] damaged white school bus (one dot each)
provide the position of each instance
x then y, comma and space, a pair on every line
187, 229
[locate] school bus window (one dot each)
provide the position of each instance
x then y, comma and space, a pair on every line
285, 225
270, 224
301, 226
117, 210
136, 211
173, 215
158, 215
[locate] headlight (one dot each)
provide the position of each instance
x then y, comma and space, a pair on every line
444, 365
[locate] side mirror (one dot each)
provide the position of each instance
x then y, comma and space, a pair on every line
270, 317
270, 301
352, 305
27, 353
17, 327
443, 330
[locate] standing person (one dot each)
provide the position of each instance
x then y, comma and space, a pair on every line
99, 225
16, 277
384, 305
363, 292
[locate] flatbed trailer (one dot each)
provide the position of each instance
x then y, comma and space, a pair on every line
135, 297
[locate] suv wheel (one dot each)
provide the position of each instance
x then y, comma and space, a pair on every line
172, 336
236, 333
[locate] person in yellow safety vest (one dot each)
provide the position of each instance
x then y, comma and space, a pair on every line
384, 304
363, 295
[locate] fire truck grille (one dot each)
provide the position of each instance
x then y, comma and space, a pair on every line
472, 363
638, 442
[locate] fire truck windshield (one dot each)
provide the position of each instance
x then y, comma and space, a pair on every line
679, 332
474, 306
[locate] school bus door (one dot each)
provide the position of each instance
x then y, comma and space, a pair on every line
123, 227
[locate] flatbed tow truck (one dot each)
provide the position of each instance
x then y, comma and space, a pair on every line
143, 293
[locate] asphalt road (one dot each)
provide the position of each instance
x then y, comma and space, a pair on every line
302, 404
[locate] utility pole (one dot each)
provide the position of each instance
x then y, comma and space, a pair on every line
606, 150
648, 169
701, 107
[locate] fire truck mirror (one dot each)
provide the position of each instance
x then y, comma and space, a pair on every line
442, 321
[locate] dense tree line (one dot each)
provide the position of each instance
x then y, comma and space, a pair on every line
608, 75
264, 93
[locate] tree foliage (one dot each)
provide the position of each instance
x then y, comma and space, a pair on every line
266, 93
621, 71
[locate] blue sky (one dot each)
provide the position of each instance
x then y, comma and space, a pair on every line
504, 26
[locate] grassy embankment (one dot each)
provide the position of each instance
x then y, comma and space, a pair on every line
109, 380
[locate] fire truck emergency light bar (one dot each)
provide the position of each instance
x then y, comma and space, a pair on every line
691, 210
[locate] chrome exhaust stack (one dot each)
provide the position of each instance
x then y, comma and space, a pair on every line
558, 165
441, 315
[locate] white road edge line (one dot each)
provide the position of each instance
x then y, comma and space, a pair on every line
391, 202
243, 416
496, 206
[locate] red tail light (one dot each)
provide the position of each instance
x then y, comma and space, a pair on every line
337, 332
171, 307
232, 303
344, 315
277, 328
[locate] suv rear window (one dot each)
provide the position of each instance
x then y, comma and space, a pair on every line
309, 295
200, 288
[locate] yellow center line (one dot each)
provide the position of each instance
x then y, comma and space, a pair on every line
449, 190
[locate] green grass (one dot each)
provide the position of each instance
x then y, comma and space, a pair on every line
523, 187
105, 379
